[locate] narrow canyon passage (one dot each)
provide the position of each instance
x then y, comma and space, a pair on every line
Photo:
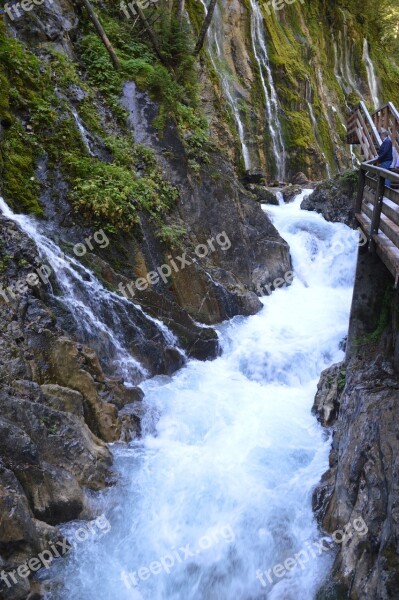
221, 481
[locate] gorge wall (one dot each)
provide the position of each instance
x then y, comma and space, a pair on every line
288, 78
148, 156
358, 399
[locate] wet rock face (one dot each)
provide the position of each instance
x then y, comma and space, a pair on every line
334, 199
362, 479
226, 282
359, 400
53, 21
55, 402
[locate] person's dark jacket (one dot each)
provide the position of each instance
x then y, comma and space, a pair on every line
385, 151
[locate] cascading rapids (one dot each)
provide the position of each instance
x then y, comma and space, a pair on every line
106, 321
230, 446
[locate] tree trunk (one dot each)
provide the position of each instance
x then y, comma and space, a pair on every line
151, 33
101, 32
205, 27
180, 9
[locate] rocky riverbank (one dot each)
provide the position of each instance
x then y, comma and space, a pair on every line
334, 198
358, 401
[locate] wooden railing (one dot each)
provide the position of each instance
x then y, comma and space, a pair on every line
387, 116
376, 205
362, 130
377, 211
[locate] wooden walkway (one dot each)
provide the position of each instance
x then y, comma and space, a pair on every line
377, 206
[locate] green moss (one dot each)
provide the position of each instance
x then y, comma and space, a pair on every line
383, 320
112, 195
172, 235
20, 88
19, 183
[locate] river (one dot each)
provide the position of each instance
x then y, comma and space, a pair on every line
219, 486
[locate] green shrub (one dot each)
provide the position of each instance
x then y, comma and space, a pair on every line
112, 195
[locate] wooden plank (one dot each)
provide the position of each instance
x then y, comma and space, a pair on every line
371, 182
390, 229
368, 196
392, 194
367, 209
383, 172
364, 222
388, 253
379, 196
367, 134
369, 120
360, 190
391, 210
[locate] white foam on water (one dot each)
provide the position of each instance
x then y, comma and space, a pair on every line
231, 445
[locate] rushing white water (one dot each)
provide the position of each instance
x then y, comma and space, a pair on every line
104, 320
215, 46
280, 198
230, 446
371, 76
258, 37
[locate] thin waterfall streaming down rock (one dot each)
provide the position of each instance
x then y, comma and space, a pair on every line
215, 46
258, 37
221, 471
112, 325
344, 61
371, 76
313, 120
83, 132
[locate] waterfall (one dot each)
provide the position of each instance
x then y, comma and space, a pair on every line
258, 37
343, 60
280, 198
230, 452
313, 120
107, 322
337, 65
308, 98
83, 132
371, 76
215, 47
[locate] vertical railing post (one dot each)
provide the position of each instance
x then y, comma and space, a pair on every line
378, 200
360, 190
394, 133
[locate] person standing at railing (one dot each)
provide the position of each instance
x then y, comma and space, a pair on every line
385, 154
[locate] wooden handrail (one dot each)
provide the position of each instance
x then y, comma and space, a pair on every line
366, 166
362, 130
376, 205
370, 122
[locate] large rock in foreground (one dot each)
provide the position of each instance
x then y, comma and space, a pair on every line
362, 482
360, 400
